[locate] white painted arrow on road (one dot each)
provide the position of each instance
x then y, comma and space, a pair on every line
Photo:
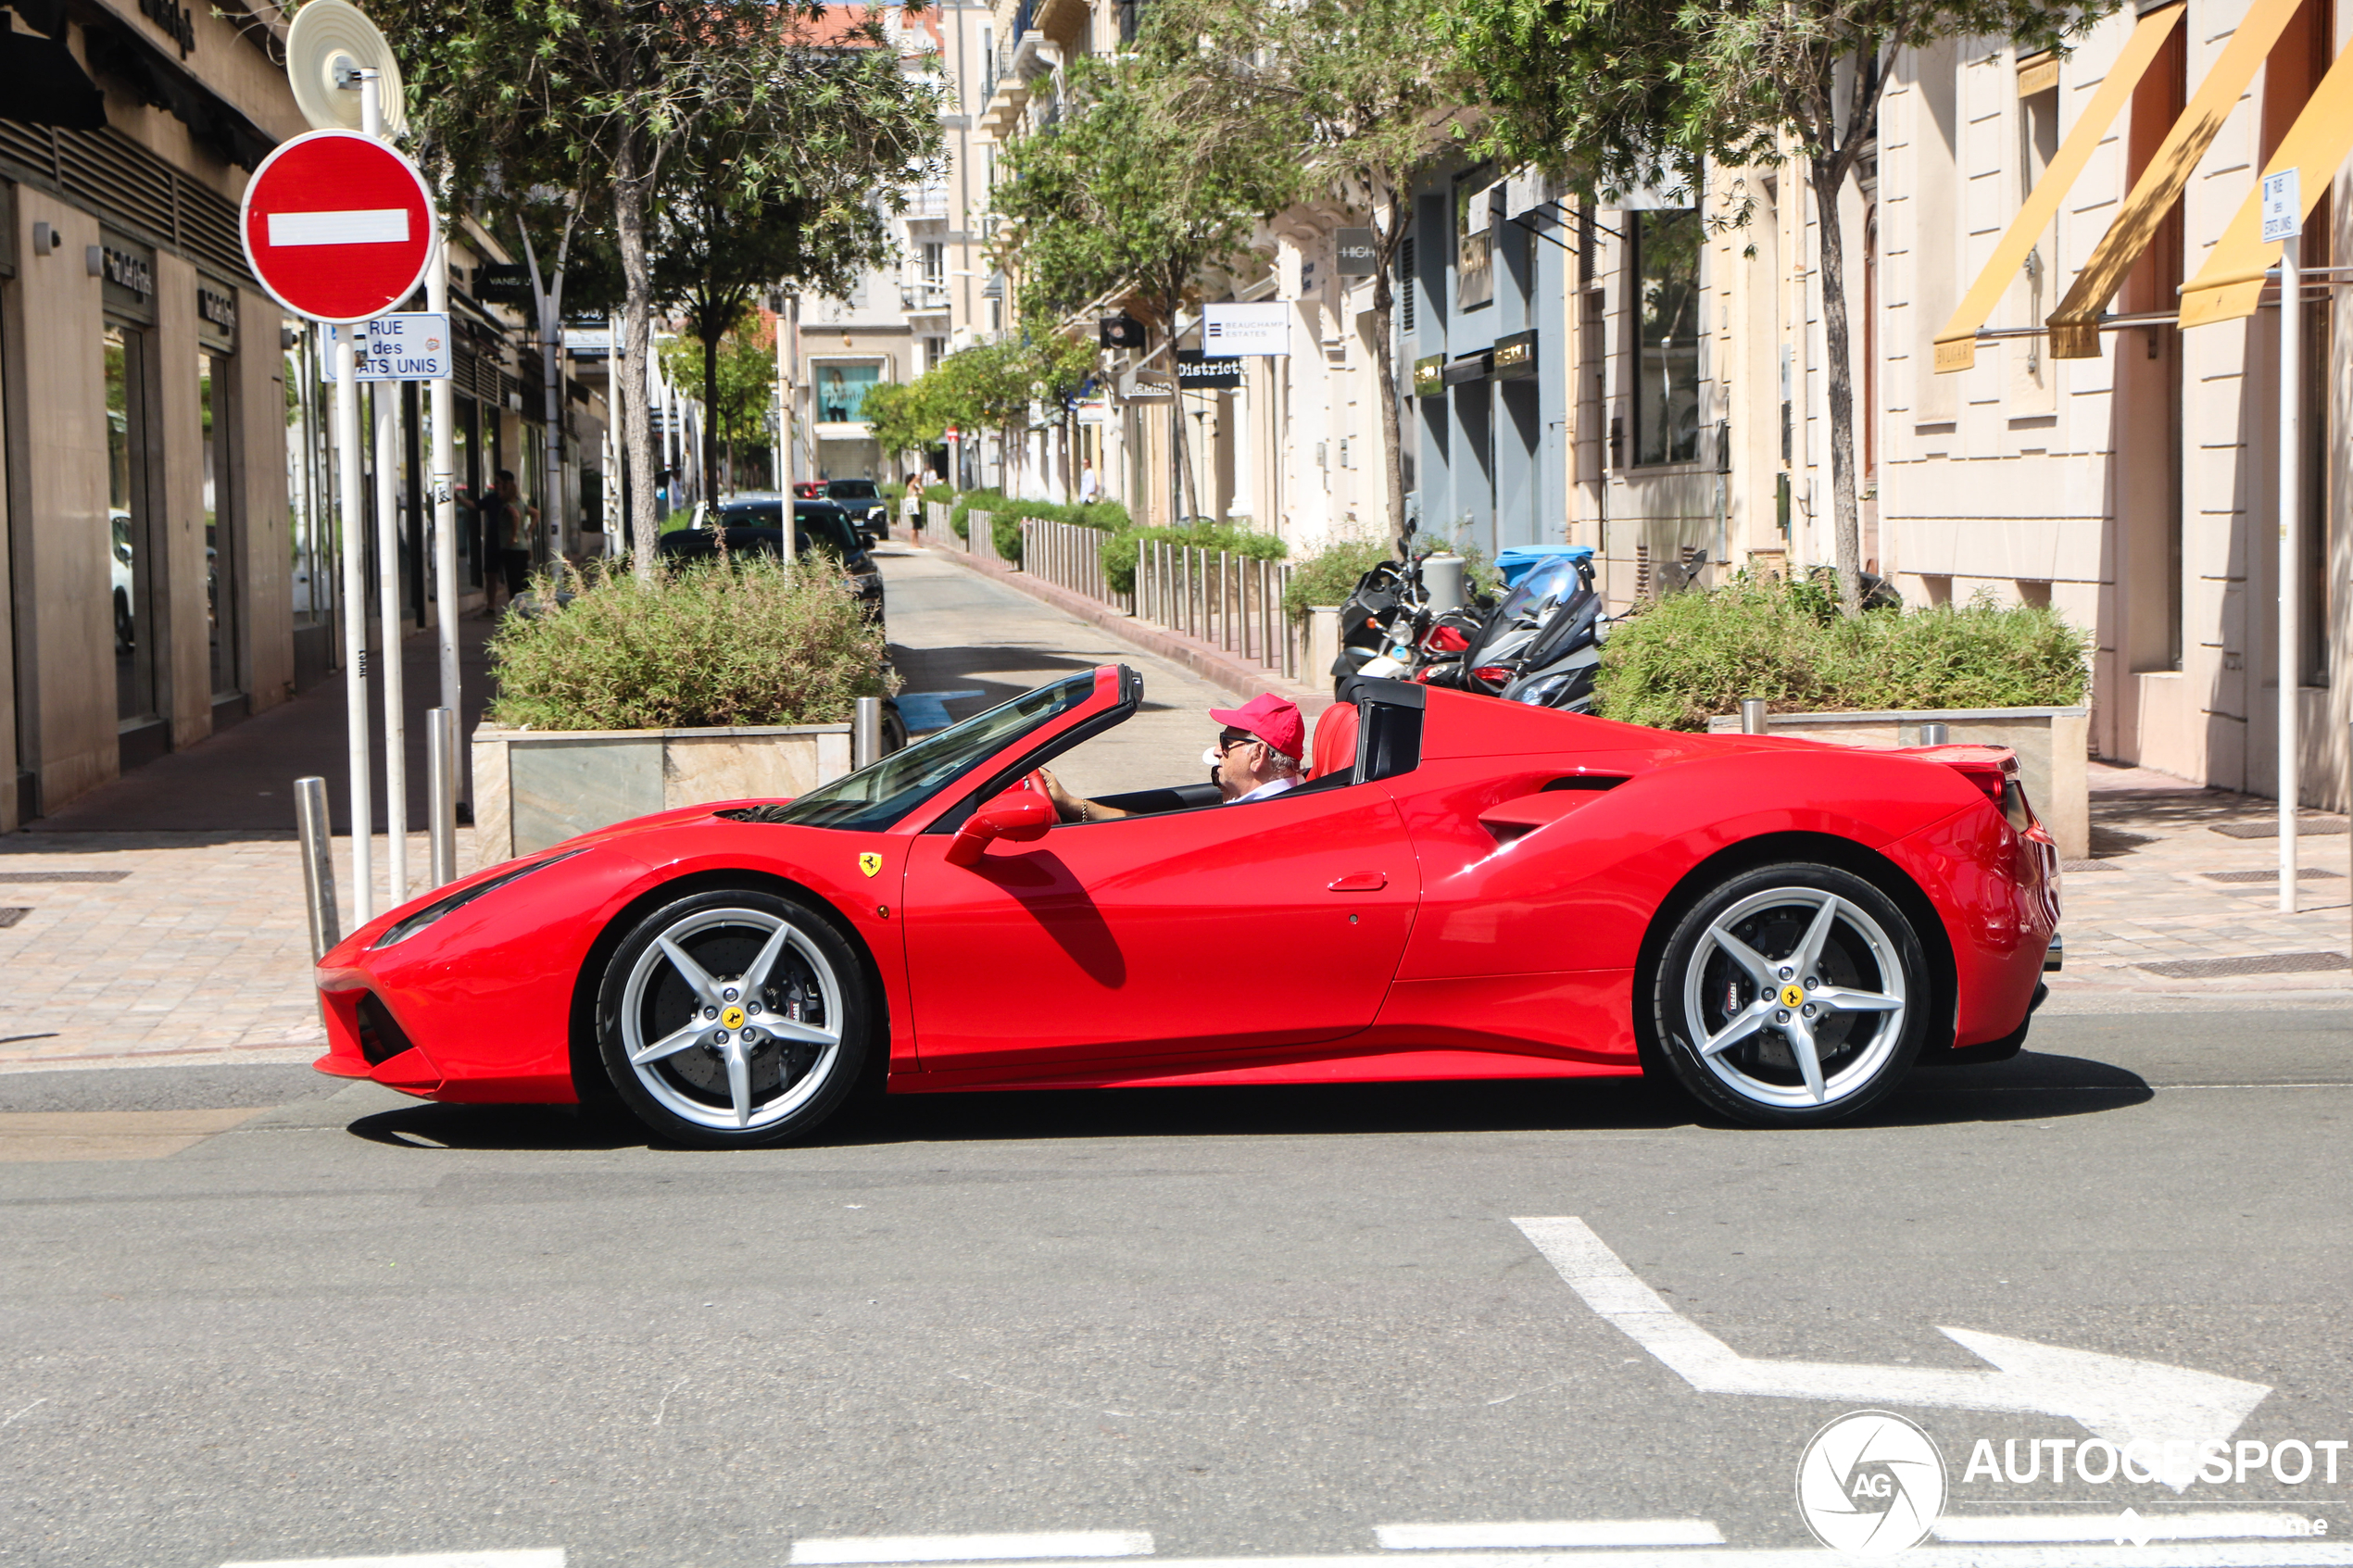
2114, 1397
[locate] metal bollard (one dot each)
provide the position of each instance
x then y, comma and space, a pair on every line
1753, 716
1936, 734
865, 733
312, 824
441, 796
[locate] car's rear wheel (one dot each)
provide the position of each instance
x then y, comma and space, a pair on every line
734, 1018
1792, 995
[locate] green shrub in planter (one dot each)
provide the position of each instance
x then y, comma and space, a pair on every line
761, 642
1005, 516
1329, 576
1693, 656
1119, 550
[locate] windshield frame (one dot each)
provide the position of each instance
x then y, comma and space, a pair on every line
947, 761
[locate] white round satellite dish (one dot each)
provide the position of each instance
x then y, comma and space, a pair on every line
328, 39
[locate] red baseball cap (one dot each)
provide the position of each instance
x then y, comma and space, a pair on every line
1272, 719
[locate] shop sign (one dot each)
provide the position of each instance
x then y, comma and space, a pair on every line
1356, 249
175, 19
1515, 355
1430, 375
409, 345
1247, 328
216, 316
504, 283
127, 277
1197, 373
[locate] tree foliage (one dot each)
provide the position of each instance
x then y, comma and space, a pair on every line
1134, 191
1621, 94
615, 93
1357, 95
738, 377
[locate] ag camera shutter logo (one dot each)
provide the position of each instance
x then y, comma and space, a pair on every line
1870, 1483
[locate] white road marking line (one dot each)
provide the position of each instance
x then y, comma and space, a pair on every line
2110, 1528
2157, 1554
552, 1557
1549, 1533
973, 1548
360, 226
2116, 1397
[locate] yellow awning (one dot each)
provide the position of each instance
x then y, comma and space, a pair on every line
1957, 343
2075, 325
2230, 282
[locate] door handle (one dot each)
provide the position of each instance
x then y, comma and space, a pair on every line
1360, 882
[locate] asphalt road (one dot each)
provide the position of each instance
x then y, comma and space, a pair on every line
1247, 1322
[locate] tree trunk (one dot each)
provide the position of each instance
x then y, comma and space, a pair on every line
637, 331
1392, 437
710, 413
1828, 178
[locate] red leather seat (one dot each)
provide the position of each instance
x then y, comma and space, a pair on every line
1334, 749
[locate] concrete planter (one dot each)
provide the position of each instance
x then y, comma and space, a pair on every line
2052, 745
537, 787
1323, 645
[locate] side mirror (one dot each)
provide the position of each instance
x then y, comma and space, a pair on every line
1020, 814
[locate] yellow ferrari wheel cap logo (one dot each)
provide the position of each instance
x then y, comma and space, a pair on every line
732, 1018
870, 862
1792, 995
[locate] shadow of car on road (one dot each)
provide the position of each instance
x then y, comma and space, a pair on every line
2033, 1086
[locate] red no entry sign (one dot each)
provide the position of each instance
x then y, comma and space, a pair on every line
337, 226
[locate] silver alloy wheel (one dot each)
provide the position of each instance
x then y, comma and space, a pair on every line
740, 1036
1803, 1027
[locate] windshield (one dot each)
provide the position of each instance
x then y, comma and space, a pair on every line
852, 490
1556, 578
876, 797
826, 526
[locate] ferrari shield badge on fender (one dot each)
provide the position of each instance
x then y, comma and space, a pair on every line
870, 862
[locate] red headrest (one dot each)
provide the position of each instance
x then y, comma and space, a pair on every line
1335, 747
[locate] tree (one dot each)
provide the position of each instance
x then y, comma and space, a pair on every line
1130, 193
902, 417
1621, 93
738, 376
725, 236
1359, 92
617, 88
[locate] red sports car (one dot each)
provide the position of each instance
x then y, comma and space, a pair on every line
1471, 889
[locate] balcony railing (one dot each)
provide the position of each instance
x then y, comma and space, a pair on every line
923, 299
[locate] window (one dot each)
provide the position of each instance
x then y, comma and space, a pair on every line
213, 373
841, 391
1666, 269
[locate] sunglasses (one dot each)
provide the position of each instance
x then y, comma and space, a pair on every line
1228, 743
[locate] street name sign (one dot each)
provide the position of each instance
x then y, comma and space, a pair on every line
337, 226
2283, 205
405, 345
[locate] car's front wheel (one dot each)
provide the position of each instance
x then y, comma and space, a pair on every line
1792, 995
734, 1018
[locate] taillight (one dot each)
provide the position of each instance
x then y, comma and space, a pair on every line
1494, 674
1997, 778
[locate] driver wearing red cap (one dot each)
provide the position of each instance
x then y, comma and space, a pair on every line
1256, 757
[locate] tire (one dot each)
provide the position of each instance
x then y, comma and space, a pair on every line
1857, 1016
692, 1067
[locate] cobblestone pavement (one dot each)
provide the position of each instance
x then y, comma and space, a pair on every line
123, 942
2164, 887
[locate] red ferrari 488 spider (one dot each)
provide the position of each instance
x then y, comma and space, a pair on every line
1473, 889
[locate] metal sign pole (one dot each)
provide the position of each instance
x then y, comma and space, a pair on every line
2282, 215
388, 581
2291, 483
355, 628
445, 529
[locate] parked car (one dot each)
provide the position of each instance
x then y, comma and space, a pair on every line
862, 499
1464, 888
756, 523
